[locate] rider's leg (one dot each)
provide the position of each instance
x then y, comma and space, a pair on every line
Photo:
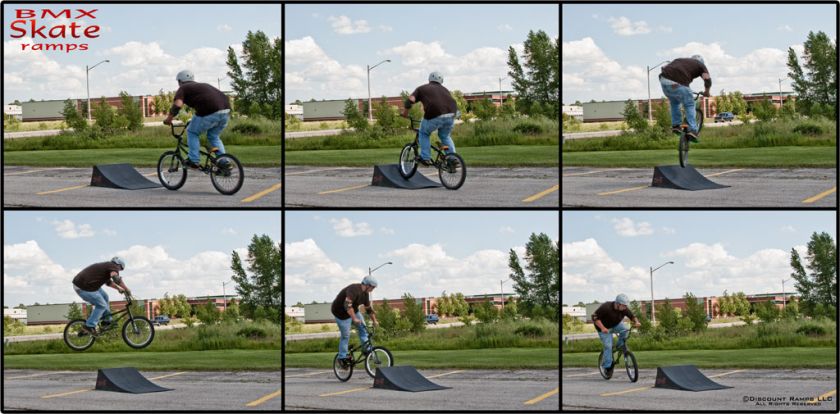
426, 129
344, 340
690, 114
363, 334
623, 333
194, 130
100, 304
445, 133
670, 91
218, 122
606, 342
106, 315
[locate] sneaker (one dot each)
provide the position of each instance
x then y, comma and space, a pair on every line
693, 137
105, 324
190, 164
87, 330
427, 163
677, 129
345, 362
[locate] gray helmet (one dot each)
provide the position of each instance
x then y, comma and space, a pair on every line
436, 77
370, 281
622, 299
185, 75
700, 58
118, 261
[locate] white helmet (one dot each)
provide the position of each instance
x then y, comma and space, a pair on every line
700, 58
118, 261
436, 77
185, 75
370, 281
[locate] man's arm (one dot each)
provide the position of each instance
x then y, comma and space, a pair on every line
348, 306
173, 111
707, 82
117, 283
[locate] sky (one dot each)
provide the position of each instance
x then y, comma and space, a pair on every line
329, 46
432, 251
607, 47
147, 45
179, 252
610, 252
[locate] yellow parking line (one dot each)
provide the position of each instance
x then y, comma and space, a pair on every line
626, 391
32, 171
314, 171
823, 397
724, 172
262, 193
344, 392
592, 172
168, 375
542, 397
344, 189
624, 190
263, 399
67, 393
307, 375
448, 373
63, 189
541, 194
819, 196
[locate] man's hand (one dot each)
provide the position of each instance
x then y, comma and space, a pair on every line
706, 93
168, 120
356, 320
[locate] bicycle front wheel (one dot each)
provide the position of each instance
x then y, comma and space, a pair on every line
171, 171
699, 119
684, 142
342, 372
408, 161
76, 337
227, 174
138, 333
631, 367
452, 172
379, 357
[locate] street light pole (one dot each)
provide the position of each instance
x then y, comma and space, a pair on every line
370, 271
502, 285
370, 68
501, 101
652, 305
224, 294
650, 112
87, 84
784, 296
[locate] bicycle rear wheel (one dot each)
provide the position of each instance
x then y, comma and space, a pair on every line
76, 337
227, 174
342, 372
379, 357
453, 172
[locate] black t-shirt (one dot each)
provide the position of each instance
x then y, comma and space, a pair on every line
203, 98
436, 100
353, 292
609, 316
684, 70
94, 276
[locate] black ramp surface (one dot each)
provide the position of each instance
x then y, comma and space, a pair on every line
389, 176
688, 178
403, 378
685, 377
125, 380
122, 176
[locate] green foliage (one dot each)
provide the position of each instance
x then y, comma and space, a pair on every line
529, 128
530, 330
662, 116
387, 318
12, 326
260, 288
486, 312
257, 80
466, 319
484, 109
633, 118
764, 110
248, 127
354, 117
131, 111
809, 128
208, 313
74, 312
413, 314
815, 81
539, 289
252, 333
292, 123
536, 79
387, 116
72, 117
460, 101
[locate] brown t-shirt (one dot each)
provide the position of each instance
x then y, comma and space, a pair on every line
609, 316
684, 70
436, 100
203, 98
94, 276
353, 292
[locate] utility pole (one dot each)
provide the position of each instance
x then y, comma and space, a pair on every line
224, 293
87, 84
369, 68
652, 305
650, 111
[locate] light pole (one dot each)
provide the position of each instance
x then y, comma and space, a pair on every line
650, 112
224, 293
87, 83
370, 271
219, 81
652, 306
502, 285
784, 297
370, 68
501, 102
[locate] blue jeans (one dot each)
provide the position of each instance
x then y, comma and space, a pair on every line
607, 341
443, 125
680, 94
213, 124
99, 300
344, 328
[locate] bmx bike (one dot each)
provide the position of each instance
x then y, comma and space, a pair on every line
373, 356
629, 359
684, 141
225, 170
451, 167
137, 331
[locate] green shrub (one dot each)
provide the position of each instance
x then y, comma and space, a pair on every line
809, 128
533, 331
529, 128
248, 128
252, 332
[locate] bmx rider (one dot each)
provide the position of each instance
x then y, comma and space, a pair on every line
608, 320
345, 308
675, 80
88, 285
439, 113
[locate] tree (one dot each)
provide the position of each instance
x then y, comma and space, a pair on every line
818, 285
460, 101
208, 313
539, 290
104, 115
74, 312
484, 109
413, 313
262, 285
257, 79
130, 110
817, 82
633, 118
662, 115
72, 117
764, 110
537, 77
486, 312
387, 116
353, 116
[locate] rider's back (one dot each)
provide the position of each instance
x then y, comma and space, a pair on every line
683, 70
436, 100
202, 97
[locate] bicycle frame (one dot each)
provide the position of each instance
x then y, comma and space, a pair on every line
182, 148
120, 315
438, 151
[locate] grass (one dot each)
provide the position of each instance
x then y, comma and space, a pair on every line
498, 358
219, 360
771, 157
787, 357
315, 125
494, 156
36, 330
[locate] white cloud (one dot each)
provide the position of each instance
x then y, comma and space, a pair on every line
669, 230
624, 27
784, 28
788, 229
504, 27
228, 231
665, 29
344, 25
626, 227
387, 231
506, 230
67, 229
344, 227
30, 275
224, 28
588, 268
313, 275
385, 29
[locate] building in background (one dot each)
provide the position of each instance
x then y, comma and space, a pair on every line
575, 111
13, 111
333, 110
294, 110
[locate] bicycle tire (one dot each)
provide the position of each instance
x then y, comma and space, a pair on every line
373, 354
139, 321
337, 367
236, 170
683, 149
459, 176
72, 329
176, 164
408, 161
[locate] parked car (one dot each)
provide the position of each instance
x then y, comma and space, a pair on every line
432, 319
161, 320
724, 117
